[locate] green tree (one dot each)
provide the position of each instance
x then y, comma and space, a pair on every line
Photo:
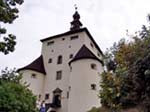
99, 109
8, 13
15, 97
126, 82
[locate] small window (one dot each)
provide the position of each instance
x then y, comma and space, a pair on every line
67, 94
93, 86
71, 56
52, 50
74, 37
69, 88
58, 75
33, 75
50, 43
70, 68
93, 66
63, 38
69, 46
59, 60
39, 96
91, 45
50, 60
46, 96
98, 54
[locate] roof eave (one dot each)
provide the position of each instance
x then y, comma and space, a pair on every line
86, 58
32, 70
63, 34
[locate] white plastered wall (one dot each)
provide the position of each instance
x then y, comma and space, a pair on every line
35, 84
64, 48
47, 83
88, 42
82, 97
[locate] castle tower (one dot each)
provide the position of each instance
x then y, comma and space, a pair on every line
84, 81
66, 75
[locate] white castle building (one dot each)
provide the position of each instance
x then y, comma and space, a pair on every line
66, 75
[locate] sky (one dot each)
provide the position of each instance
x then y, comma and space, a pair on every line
107, 21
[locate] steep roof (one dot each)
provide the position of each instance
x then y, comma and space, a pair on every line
85, 53
36, 65
73, 32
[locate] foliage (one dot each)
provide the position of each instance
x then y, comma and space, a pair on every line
15, 97
8, 13
10, 75
99, 109
126, 82
110, 92
94, 109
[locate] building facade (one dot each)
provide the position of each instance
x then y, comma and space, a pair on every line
67, 74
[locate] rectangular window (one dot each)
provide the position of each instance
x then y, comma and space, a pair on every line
71, 56
93, 66
74, 37
50, 43
59, 60
46, 96
93, 86
58, 75
50, 60
39, 96
63, 38
67, 94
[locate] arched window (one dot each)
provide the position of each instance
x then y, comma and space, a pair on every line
56, 102
59, 60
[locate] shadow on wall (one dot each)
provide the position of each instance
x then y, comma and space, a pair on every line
136, 109
104, 109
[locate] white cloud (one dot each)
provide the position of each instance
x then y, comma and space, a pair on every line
107, 20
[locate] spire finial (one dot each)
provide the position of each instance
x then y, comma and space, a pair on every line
76, 24
75, 6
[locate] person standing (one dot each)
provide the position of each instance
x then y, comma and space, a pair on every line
43, 109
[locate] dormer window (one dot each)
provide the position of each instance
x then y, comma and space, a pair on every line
50, 43
74, 37
59, 60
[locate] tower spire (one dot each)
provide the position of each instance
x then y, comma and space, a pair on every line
76, 24
76, 8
